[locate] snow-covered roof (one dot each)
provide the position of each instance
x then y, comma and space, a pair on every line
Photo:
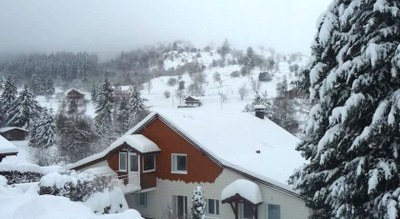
104, 171
257, 147
6, 129
137, 142
245, 188
7, 147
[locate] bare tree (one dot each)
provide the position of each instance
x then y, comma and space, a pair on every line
243, 91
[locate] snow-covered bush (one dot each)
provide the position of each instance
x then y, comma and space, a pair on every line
21, 173
198, 203
76, 187
107, 202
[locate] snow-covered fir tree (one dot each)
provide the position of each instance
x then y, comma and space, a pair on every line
352, 140
260, 99
121, 121
137, 109
45, 133
104, 110
7, 98
198, 203
24, 111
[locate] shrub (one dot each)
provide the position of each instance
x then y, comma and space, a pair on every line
76, 187
25, 173
167, 94
235, 74
172, 82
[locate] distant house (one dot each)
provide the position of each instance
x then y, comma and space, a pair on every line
123, 92
191, 101
242, 162
74, 94
7, 148
13, 133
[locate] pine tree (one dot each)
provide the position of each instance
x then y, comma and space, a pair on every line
198, 203
104, 111
44, 134
25, 109
137, 109
7, 98
352, 140
122, 119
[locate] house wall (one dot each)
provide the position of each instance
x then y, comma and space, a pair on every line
14, 135
102, 163
159, 199
200, 167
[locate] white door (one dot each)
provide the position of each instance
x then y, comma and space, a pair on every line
133, 169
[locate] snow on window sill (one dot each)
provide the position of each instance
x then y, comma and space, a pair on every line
179, 172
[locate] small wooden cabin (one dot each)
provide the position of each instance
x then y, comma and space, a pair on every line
75, 94
13, 133
191, 101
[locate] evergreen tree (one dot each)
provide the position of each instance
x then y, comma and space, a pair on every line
352, 140
137, 109
49, 90
44, 134
122, 119
104, 111
225, 48
198, 203
24, 111
7, 98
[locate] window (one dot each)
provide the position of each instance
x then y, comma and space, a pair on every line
123, 161
133, 163
180, 206
213, 207
274, 212
179, 163
149, 163
246, 211
141, 200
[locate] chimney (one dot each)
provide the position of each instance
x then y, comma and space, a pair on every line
260, 111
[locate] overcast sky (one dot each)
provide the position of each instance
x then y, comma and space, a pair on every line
110, 26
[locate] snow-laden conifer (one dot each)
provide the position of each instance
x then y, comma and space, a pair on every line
198, 203
104, 109
352, 139
24, 110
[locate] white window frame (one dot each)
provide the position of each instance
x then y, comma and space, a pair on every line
241, 212
126, 161
215, 207
154, 165
174, 164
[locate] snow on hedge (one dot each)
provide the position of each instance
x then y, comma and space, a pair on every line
49, 207
245, 188
107, 202
59, 180
23, 168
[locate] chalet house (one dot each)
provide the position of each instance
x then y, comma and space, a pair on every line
75, 94
7, 148
123, 92
13, 133
191, 101
242, 162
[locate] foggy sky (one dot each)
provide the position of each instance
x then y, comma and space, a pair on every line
110, 26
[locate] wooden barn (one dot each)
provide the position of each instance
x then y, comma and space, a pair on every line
14, 133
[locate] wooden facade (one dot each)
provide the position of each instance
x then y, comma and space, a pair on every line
14, 134
200, 167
